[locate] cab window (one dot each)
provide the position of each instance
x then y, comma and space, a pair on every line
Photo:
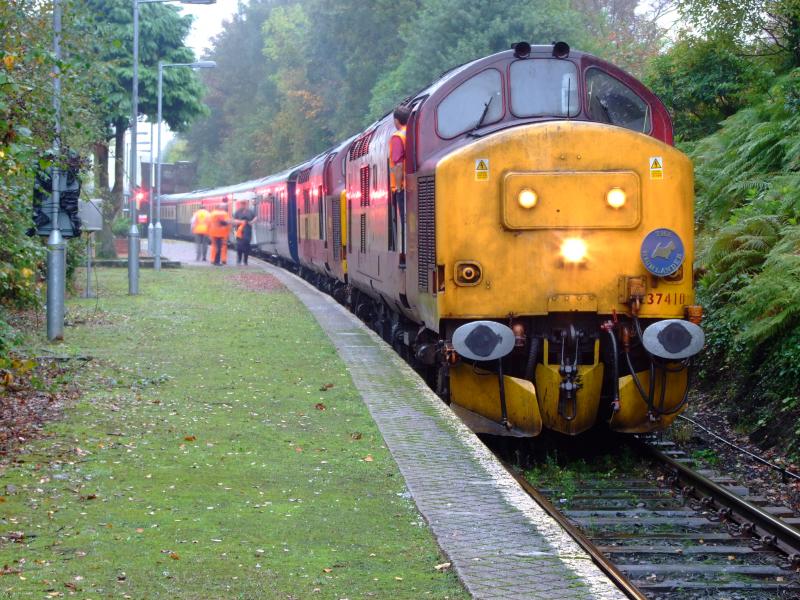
544, 88
611, 101
479, 100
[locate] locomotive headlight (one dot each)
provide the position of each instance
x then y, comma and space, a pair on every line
527, 198
573, 250
616, 198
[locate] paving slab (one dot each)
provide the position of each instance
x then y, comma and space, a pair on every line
501, 543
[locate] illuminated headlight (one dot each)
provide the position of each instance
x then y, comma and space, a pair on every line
527, 198
573, 250
616, 198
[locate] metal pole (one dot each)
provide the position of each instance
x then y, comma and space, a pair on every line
133, 234
56, 255
88, 293
158, 231
150, 229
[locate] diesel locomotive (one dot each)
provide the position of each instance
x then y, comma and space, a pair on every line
546, 214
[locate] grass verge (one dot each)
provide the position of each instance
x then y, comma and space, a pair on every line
220, 451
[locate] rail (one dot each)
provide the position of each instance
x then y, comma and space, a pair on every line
601, 560
766, 523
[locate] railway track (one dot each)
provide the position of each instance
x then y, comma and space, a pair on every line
663, 530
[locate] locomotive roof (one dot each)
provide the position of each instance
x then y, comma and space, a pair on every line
234, 189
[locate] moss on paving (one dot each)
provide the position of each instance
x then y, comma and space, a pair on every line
206, 461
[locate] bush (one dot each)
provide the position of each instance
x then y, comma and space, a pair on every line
121, 225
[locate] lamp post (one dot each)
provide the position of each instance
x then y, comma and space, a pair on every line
150, 231
133, 233
203, 64
56, 248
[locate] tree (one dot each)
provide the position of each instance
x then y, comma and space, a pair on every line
771, 27
161, 33
703, 82
232, 143
621, 32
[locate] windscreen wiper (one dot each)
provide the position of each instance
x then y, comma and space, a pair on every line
483, 116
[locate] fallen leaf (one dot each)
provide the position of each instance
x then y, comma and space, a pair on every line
174, 556
356, 435
368, 458
190, 438
139, 530
398, 579
327, 570
6, 570
443, 566
325, 387
319, 406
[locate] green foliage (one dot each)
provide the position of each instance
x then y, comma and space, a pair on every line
770, 27
703, 82
706, 456
27, 129
121, 226
748, 183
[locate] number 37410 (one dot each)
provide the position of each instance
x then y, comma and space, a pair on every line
669, 298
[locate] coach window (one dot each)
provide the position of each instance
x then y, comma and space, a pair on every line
611, 101
544, 88
477, 101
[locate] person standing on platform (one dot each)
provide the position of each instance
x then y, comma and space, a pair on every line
219, 228
200, 232
244, 217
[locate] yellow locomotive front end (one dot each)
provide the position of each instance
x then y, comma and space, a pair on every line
572, 233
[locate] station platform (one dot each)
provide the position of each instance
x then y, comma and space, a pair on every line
500, 542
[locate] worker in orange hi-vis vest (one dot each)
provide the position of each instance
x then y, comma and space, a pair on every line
200, 232
219, 228
397, 162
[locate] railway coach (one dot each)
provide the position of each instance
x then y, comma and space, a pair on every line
546, 212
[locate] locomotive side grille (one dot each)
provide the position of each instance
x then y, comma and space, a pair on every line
337, 232
364, 185
281, 211
361, 146
304, 175
363, 234
427, 231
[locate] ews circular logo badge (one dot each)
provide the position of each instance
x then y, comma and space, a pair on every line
662, 252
